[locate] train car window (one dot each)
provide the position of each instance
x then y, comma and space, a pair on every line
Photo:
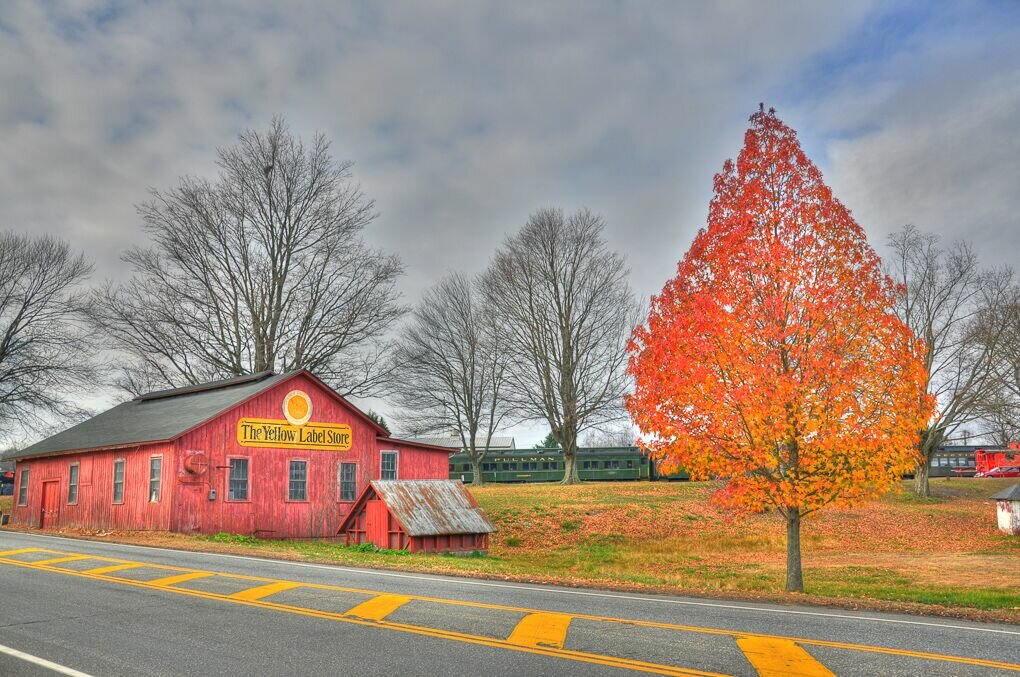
466, 467
452, 467
630, 464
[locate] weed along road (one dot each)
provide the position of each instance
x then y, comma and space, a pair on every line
79, 607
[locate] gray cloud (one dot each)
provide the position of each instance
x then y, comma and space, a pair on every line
463, 118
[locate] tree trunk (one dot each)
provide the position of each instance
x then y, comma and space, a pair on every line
931, 439
921, 487
794, 572
570, 475
476, 472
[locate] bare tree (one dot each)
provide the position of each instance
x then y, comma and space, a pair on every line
454, 368
1001, 411
264, 268
562, 299
945, 300
612, 436
46, 356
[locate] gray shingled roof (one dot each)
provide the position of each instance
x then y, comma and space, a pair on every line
154, 417
1010, 494
433, 507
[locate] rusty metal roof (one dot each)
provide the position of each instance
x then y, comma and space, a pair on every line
433, 507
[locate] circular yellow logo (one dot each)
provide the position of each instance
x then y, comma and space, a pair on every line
297, 407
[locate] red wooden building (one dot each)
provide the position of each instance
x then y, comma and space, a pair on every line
418, 515
273, 455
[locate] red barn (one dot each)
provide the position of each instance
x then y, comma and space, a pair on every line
273, 455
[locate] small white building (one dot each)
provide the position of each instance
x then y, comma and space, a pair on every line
1007, 507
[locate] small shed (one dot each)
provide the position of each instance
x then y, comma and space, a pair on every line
1007, 507
419, 516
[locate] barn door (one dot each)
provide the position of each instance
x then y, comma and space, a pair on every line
50, 503
376, 526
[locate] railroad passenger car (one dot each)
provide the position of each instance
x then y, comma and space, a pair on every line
546, 465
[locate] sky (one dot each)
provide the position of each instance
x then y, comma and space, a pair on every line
464, 118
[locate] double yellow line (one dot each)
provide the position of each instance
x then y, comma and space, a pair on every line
538, 632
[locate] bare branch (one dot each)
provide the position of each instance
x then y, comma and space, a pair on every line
262, 269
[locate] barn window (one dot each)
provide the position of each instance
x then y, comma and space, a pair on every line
348, 481
23, 487
237, 484
118, 481
72, 484
298, 481
389, 465
155, 474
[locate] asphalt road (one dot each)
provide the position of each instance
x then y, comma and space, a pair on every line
107, 609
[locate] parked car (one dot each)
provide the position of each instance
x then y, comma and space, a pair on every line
1001, 471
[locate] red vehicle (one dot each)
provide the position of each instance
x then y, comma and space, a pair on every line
986, 460
1001, 471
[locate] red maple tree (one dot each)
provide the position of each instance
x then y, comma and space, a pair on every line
773, 359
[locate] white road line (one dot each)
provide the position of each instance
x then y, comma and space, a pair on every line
42, 662
542, 588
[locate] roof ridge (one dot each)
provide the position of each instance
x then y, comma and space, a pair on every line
205, 387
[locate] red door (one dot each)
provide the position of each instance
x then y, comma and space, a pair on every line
376, 523
50, 503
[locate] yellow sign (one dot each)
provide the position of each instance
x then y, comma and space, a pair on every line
264, 432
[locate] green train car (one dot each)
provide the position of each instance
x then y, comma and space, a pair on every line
546, 465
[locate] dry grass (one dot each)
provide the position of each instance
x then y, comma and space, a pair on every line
5, 504
942, 550
898, 552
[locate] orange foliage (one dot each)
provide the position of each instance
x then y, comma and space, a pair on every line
773, 359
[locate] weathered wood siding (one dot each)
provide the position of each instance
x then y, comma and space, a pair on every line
197, 502
95, 508
414, 463
268, 513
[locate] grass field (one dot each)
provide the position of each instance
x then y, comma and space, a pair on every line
639, 535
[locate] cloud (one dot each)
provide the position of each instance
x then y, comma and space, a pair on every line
463, 118
929, 136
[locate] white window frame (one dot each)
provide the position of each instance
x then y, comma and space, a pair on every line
123, 475
159, 478
396, 463
247, 478
340, 482
291, 461
76, 468
23, 485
